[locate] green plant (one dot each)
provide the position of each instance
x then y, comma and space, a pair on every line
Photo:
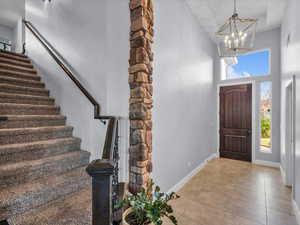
149, 206
265, 127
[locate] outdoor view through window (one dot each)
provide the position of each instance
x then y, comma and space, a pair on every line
265, 116
250, 65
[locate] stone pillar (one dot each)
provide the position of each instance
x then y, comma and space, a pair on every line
141, 90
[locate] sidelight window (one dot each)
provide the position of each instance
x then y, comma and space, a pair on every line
265, 116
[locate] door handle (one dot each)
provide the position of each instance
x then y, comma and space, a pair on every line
249, 132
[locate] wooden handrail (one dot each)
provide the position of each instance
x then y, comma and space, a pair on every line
55, 55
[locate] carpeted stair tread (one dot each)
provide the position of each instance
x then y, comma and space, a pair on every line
18, 75
42, 167
18, 173
15, 62
25, 99
75, 209
25, 121
17, 68
21, 82
8, 88
13, 153
17, 199
32, 134
36, 117
13, 55
27, 109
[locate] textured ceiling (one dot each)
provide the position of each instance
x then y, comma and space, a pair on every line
213, 13
11, 11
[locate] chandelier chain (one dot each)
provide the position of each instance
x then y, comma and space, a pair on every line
235, 9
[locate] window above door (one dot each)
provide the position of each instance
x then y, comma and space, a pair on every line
255, 64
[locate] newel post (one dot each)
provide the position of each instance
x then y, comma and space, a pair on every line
102, 172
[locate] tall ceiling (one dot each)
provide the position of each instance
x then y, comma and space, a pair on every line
213, 13
11, 11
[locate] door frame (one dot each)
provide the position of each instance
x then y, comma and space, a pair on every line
290, 153
253, 138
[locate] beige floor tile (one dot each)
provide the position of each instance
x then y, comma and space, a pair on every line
230, 192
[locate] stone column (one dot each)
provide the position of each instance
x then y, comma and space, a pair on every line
141, 90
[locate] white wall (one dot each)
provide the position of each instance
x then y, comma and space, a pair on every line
15, 34
291, 66
184, 95
19, 28
265, 40
11, 14
116, 68
75, 29
6, 32
19, 36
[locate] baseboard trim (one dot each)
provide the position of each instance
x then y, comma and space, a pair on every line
297, 212
283, 175
267, 163
188, 177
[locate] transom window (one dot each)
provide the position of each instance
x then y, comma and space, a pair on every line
249, 65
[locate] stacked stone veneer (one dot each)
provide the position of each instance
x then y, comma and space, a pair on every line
141, 90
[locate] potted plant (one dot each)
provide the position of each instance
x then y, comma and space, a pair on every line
148, 207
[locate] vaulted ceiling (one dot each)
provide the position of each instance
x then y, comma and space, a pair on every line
213, 13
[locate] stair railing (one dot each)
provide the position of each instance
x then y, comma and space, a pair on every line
104, 171
6, 46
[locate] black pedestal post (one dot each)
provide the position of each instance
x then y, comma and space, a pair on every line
101, 172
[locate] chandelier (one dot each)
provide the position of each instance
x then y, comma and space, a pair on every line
236, 36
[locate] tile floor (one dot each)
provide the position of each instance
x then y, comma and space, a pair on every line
229, 192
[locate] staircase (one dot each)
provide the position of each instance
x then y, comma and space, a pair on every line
42, 169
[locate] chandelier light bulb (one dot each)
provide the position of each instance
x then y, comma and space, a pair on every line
229, 44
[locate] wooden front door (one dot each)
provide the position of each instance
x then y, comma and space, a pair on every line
236, 122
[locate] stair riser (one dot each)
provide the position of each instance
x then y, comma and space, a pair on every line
17, 69
14, 62
20, 76
22, 83
31, 137
30, 174
27, 101
24, 91
31, 123
42, 197
28, 111
38, 153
